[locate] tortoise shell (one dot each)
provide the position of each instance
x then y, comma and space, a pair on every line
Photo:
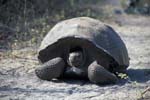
88, 32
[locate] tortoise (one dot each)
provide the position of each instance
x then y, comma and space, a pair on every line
82, 47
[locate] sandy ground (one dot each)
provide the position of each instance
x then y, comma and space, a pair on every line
18, 81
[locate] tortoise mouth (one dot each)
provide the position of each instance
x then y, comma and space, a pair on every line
76, 56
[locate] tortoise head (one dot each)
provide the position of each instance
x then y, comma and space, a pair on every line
76, 57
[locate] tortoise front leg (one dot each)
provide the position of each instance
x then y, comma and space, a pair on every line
51, 69
98, 74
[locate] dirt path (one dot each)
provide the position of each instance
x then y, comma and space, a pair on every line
18, 81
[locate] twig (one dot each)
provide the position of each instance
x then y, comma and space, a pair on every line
89, 97
146, 90
142, 94
24, 58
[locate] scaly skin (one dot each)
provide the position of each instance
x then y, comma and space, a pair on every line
51, 69
98, 74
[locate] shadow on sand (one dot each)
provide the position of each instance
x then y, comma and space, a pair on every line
139, 75
135, 75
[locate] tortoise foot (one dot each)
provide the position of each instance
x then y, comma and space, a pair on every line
51, 69
99, 75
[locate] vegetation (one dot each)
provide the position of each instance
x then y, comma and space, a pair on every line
32, 19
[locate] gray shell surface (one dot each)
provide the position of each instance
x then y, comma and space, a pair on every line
100, 35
